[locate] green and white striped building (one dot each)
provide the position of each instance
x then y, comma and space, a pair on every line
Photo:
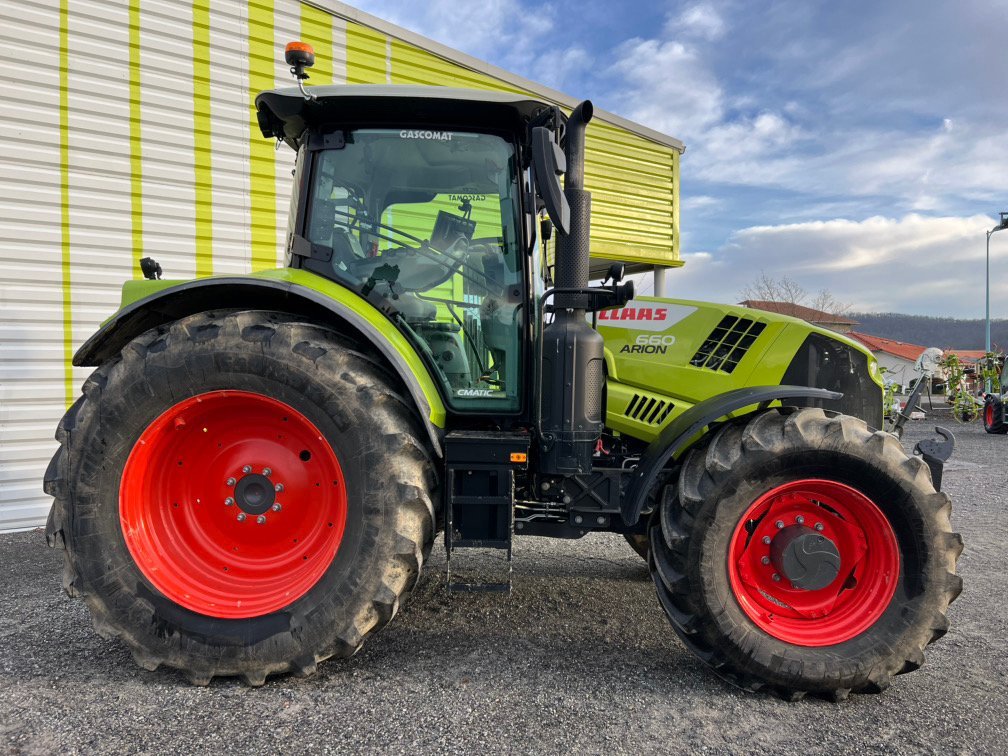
129, 131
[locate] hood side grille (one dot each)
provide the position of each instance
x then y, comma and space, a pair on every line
648, 409
727, 344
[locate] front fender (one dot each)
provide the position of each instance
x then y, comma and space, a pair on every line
679, 434
285, 290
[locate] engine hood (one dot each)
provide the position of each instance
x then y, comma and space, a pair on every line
680, 352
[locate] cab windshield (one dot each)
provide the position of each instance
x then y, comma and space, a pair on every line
424, 225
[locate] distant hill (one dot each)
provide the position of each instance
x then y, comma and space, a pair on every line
931, 331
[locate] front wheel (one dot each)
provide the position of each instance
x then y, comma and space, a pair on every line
800, 552
241, 494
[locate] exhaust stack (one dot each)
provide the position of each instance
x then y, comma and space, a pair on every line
572, 248
573, 372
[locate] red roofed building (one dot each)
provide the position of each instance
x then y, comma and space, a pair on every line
891, 347
833, 322
898, 357
967, 355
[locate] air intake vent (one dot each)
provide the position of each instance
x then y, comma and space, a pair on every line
727, 344
648, 409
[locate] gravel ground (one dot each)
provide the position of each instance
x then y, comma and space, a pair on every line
578, 659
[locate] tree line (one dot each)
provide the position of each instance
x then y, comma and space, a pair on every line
927, 330
924, 330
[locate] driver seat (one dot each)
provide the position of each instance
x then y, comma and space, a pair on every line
345, 245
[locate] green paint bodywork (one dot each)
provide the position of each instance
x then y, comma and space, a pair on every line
134, 291
665, 374
660, 370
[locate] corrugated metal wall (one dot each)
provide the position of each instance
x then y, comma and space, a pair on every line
32, 259
137, 136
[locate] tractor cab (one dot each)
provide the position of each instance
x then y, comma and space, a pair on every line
418, 199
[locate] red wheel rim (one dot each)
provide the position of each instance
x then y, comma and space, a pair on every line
232, 504
868, 557
989, 415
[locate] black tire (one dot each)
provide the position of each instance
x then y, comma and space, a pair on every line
719, 481
389, 477
993, 416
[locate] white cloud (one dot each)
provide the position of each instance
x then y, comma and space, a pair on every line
701, 202
731, 148
667, 85
505, 32
558, 67
701, 20
924, 172
914, 263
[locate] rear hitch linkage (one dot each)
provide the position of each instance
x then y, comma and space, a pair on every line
936, 452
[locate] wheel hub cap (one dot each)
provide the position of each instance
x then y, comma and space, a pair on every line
254, 494
805, 558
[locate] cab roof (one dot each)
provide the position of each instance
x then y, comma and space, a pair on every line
285, 113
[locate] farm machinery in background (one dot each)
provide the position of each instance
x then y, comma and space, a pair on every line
985, 398
994, 369
897, 413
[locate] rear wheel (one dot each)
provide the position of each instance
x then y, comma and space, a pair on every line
241, 494
993, 416
803, 553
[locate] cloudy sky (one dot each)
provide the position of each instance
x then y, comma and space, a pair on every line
860, 147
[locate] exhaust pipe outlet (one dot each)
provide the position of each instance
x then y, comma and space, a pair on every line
573, 372
574, 145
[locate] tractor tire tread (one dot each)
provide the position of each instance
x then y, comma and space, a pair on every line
413, 478
687, 502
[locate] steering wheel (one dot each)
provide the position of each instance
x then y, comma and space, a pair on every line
419, 269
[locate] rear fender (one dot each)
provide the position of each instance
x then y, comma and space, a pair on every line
682, 432
282, 290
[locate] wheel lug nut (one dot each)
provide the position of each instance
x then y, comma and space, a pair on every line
276, 507
765, 560
278, 487
230, 481
780, 524
267, 471
776, 578
800, 520
241, 517
261, 519
819, 526
228, 502
766, 540
247, 469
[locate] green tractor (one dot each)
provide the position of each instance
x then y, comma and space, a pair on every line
259, 465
